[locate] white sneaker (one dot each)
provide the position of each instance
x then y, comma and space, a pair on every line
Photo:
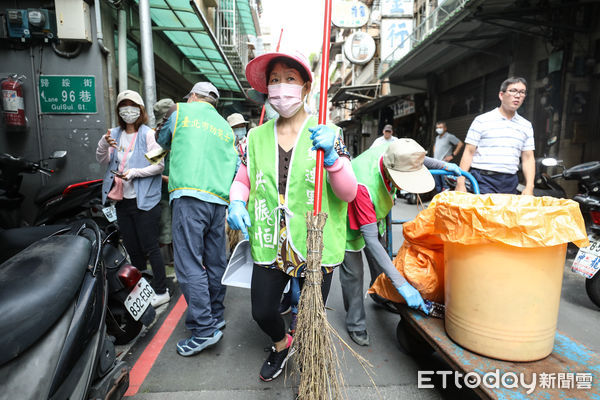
160, 299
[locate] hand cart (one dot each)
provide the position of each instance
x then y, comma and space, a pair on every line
571, 371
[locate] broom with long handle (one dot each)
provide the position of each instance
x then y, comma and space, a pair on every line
317, 360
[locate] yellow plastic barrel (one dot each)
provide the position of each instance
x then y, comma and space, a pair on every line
504, 258
502, 301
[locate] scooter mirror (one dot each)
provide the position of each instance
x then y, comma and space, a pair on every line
549, 162
58, 154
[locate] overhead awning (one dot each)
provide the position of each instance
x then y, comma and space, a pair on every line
190, 33
457, 28
358, 92
246, 20
244, 15
376, 104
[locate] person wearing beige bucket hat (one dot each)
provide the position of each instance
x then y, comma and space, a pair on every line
276, 181
134, 185
239, 126
380, 171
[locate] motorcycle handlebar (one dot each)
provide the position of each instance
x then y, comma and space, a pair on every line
46, 171
19, 164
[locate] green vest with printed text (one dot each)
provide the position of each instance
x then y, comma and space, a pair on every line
203, 155
264, 198
367, 171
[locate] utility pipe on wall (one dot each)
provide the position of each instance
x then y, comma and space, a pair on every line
107, 53
147, 59
122, 32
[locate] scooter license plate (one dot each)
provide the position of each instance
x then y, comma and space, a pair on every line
110, 213
587, 260
139, 299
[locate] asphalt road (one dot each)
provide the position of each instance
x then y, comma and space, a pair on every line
229, 370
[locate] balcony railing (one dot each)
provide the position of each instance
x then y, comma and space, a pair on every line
231, 37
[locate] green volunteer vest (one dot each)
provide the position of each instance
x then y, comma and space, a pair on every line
366, 169
263, 201
203, 155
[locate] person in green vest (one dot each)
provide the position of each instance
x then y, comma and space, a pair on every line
274, 189
165, 239
201, 168
380, 171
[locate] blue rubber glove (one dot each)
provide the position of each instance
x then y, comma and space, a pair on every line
450, 167
412, 296
323, 137
238, 217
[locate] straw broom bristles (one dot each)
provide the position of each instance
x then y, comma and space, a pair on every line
316, 360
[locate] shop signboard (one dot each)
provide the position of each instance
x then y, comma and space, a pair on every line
349, 14
394, 37
397, 8
403, 108
359, 48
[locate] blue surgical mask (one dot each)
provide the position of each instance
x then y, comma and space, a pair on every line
239, 132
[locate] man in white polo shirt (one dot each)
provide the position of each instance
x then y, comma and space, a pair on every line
388, 136
497, 140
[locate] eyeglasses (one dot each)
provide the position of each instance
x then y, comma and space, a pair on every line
515, 92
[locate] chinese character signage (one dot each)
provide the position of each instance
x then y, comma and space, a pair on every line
359, 48
403, 108
349, 14
394, 37
72, 94
397, 8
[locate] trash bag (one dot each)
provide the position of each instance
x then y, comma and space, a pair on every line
521, 221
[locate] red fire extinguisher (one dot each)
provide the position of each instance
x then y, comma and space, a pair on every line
13, 103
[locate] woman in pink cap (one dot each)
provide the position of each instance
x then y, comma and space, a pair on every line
276, 182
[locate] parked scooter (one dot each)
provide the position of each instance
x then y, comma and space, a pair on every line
52, 321
56, 203
129, 294
587, 260
124, 319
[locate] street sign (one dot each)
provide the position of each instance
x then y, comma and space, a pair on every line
67, 94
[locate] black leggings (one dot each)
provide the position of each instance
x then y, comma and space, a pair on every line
139, 230
265, 293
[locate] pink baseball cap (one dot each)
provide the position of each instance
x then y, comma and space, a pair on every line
256, 70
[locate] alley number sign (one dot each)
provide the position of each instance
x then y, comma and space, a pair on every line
67, 94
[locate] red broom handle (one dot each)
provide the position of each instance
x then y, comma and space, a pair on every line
262, 113
323, 103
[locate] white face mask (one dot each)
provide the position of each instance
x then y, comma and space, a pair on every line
286, 98
130, 114
439, 131
239, 132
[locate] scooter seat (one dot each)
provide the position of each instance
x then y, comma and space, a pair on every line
37, 285
12, 241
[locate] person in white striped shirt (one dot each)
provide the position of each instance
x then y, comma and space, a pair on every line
497, 141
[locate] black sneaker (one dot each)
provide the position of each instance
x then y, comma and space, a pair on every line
274, 364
